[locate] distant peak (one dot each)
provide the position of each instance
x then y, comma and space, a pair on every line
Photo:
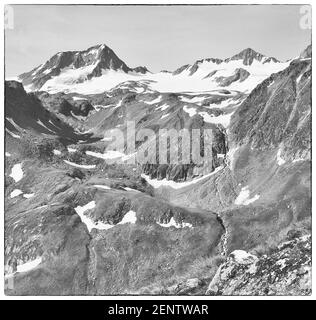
95, 60
141, 69
249, 51
248, 55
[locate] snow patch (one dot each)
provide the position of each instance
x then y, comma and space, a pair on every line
282, 263
130, 189
102, 187
57, 152
16, 126
83, 166
280, 161
78, 98
110, 154
173, 223
163, 107
243, 197
243, 257
51, 122
47, 71
129, 217
197, 99
28, 195
157, 100
230, 156
190, 111
12, 134
71, 150
43, 125
15, 193
17, 172
165, 115
29, 265
98, 107
223, 119
88, 221
119, 104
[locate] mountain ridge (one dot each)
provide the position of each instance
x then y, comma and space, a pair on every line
98, 69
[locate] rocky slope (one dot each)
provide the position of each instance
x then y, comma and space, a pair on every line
25, 113
286, 270
65, 229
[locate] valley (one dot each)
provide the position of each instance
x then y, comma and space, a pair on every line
83, 218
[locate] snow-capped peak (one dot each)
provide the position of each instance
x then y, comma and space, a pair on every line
98, 69
83, 65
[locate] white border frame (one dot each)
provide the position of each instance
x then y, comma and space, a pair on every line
153, 298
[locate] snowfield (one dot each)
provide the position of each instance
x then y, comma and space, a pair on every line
75, 80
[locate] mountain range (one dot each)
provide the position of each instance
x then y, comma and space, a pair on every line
79, 223
98, 69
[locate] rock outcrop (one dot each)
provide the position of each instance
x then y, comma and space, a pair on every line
286, 270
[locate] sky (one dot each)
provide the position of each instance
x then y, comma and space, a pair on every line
158, 37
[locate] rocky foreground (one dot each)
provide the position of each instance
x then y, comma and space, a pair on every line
286, 270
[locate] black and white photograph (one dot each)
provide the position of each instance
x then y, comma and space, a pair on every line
157, 150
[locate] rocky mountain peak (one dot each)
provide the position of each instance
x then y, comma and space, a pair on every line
248, 55
93, 61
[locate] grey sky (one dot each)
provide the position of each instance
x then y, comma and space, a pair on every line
159, 37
